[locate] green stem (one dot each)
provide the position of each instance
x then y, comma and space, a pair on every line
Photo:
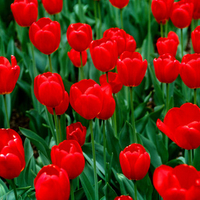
33, 59
104, 148
115, 118
60, 131
117, 16
71, 190
135, 189
56, 125
14, 188
121, 16
167, 108
195, 96
81, 68
100, 25
95, 15
166, 28
161, 30
80, 11
6, 111
94, 162
192, 29
149, 32
133, 136
190, 157
50, 64
107, 77
181, 43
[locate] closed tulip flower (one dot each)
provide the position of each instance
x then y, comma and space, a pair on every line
181, 15
130, 43
45, 35
52, 182
161, 10
168, 45
131, 68
123, 197
25, 12
75, 57
182, 125
119, 3
12, 159
79, 36
62, 107
49, 89
104, 54
53, 6
113, 80
86, 98
9, 74
196, 39
189, 70
76, 131
68, 155
196, 13
134, 161
166, 68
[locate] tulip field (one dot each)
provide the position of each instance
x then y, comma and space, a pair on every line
99, 100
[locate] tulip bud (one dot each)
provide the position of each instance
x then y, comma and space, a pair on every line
53, 7
75, 57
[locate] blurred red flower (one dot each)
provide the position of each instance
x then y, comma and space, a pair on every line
75, 57
53, 6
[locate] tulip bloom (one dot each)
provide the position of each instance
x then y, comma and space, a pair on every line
68, 155
86, 98
113, 80
181, 15
75, 57
189, 70
79, 36
104, 54
8, 74
182, 125
168, 45
49, 89
134, 161
131, 68
76, 131
166, 68
196, 39
130, 43
196, 13
181, 182
161, 10
62, 107
119, 3
25, 12
53, 7
45, 35
123, 197
52, 182
12, 158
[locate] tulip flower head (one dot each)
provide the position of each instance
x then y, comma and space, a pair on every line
75, 57
119, 3
196, 39
123, 197
196, 13
53, 6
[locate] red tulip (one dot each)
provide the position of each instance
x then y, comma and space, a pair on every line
62, 107
79, 36
53, 6
8, 74
130, 43
86, 98
196, 13
119, 3
182, 125
131, 68
49, 89
104, 54
134, 161
113, 80
176, 183
108, 104
189, 70
166, 68
196, 39
123, 197
76, 131
45, 35
168, 45
161, 10
74, 56
12, 158
182, 12
68, 155
52, 182
25, 12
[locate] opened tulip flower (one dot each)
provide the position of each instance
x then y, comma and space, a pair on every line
75, 57
131, 68
86, 98
79, 36
134, 161
196, 39
68, 155
119, 3
25, 12
182, 125
161, 10
189, 70
45, 35
52, 182
49, 89
53, 6
76, 131
177, 183
166, 68
12, 158
9, 74
104, 54
123, 197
